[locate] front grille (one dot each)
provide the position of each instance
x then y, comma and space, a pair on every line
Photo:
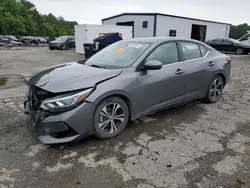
35, 98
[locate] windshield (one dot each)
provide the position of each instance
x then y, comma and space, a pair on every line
118, 55
62, 38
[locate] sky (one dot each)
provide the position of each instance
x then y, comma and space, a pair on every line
92, 11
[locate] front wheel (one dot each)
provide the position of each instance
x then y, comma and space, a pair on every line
64, 47
239, 51
110, 118
214, 90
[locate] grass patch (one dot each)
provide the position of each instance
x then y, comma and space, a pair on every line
3, 80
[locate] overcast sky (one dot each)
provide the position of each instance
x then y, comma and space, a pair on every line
92, 11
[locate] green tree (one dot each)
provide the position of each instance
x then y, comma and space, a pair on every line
20, 17
238, 31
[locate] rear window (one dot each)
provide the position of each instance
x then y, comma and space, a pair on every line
190, 50
203, 50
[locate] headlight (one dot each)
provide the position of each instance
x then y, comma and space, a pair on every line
64, 101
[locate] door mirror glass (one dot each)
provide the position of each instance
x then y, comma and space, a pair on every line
152, 65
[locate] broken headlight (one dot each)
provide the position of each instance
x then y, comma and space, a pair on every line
65, 100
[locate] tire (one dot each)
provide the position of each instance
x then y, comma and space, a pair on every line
239, 51
51, 48
215, 89
64, 47
104, 119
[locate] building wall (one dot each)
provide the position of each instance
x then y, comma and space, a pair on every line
184, 27
138, 19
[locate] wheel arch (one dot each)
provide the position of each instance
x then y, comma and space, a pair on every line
123, 95
222, 76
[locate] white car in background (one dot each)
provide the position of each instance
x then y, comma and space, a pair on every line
246, 38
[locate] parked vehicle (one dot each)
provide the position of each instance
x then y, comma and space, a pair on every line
229, 45
124, 81
62, 43
246, 38
4, 39
49, 39
13, 38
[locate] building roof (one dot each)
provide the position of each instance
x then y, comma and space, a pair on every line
155, 14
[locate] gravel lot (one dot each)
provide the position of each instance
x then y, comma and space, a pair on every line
197, 145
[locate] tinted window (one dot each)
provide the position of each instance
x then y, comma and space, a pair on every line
165, 53
217, 40
203, 50
230, 41
190, 50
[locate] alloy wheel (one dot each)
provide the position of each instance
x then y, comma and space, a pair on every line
216, 89
111, 117
239, 51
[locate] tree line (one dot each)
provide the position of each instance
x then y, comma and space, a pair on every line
238, 31
21, 18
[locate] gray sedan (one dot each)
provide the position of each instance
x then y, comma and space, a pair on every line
125, 81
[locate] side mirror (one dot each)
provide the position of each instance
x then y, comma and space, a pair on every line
152, 65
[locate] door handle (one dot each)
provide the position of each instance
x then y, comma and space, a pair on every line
211, 64
179, 71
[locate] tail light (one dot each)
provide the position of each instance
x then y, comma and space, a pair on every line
229, 60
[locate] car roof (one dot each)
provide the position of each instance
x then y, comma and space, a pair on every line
159, 39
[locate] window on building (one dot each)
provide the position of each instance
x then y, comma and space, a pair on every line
166, 53
145, 24
190, 50
203, 50
172, 33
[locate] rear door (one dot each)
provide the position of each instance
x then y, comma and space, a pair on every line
196, 74
226, 45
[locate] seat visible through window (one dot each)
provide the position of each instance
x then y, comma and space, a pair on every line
166, 53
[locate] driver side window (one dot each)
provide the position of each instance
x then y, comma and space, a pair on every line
166, 53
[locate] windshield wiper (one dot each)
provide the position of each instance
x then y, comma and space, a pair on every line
98, 66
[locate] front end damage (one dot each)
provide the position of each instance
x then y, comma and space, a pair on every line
54, 127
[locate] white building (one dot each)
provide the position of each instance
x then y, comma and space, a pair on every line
159, 25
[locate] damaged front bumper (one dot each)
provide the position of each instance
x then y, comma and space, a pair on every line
60, 127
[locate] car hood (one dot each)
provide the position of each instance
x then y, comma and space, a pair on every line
71, 76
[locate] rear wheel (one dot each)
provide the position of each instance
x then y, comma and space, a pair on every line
51, 48
110, 118
239, 51
215, 90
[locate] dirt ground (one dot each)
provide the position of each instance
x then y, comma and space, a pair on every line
193, 146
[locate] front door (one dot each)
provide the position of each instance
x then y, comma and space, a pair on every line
160, 88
